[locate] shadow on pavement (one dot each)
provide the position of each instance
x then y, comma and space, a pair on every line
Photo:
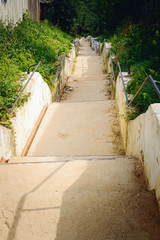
109, 202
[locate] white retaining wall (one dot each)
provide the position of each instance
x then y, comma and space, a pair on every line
6, 144
27, 115
142, 137
144, 142
64, 74
121, 101
96, 46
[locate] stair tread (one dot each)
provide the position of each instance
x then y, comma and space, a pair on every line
59, 158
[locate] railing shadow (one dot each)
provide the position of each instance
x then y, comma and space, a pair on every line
21, 203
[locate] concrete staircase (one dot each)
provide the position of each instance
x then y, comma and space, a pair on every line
76, 182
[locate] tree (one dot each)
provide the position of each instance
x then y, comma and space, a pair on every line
96, 16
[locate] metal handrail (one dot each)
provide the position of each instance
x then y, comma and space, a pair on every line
76, 44
120, 70
111, 50
114, 75
28, 72
29, 79
57, 69
154, 83
43, 69
127, 66
118, 65
61, 52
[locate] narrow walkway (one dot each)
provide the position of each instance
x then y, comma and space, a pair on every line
76, 182
86, 122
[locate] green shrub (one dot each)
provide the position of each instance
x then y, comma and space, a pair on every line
137, 45
21, 46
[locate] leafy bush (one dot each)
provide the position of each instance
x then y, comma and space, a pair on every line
21, 46
137, 45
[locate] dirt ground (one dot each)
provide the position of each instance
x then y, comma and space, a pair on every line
76, 182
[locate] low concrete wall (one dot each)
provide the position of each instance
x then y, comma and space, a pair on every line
142, 137
65, 73
6, 144
144, 142
82, 40
95, 45
108, 66
27, 115
105, 53
121, 101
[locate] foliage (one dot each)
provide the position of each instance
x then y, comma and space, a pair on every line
95, 17
21, 46
74, 17
137, 45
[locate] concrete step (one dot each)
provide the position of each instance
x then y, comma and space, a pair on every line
103, 173
79, 128
88, 197
65, 158
87, 91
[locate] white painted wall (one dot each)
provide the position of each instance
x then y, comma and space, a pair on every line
6, 144
144, 142
106, 61
142, 137
27, 115
71, 59
12, 10
95, 45
121, 101
64, 74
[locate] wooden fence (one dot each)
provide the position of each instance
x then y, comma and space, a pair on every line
34, 9
12, 10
